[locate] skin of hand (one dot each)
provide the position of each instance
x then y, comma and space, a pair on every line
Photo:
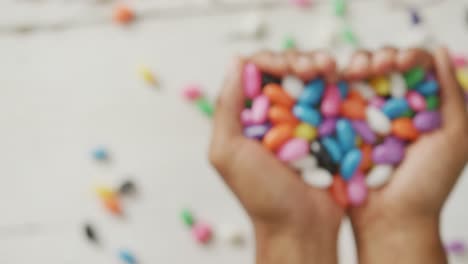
400, 222
293, 222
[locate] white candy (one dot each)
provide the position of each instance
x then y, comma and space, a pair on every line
231, 235
292, 85
364, 89
307, 163
398, 85
378, 121
378, 176
319, 178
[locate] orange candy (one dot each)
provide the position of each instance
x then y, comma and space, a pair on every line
366, 162
353, 109
355, 95
278, 135
339, 192
403, 128
277, 95
123, 14
112, 204
279, 114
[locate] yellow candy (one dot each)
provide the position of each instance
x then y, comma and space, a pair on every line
147, 75
381, 85
462, 77
105, 192
305, 131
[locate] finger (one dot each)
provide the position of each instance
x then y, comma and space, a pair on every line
411, 58
359, 67
453, 105
271, 63
384, 61
301, 65
326, 65
230, 102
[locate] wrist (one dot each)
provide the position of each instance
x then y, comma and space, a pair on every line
290, 245
399, 239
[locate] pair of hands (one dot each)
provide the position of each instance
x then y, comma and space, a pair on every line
296, 223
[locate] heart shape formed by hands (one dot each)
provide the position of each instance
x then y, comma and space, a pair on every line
346, 137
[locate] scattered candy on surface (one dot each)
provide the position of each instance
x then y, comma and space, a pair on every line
90, 233
346, 137
100, 154
123, 14
289, 43
187, 217
128, 187
110, 200
127, 257
456, 247
301, 3
415, 16
147, 75
339, 7
205, 106
192, 92
202, 232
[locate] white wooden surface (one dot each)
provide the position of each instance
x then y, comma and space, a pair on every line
63, 93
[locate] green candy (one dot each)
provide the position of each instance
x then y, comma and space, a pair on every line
408, 113
432, 102
187, 217
289, 43
248, 103
340, 7
414, 77
205, 106
348, 36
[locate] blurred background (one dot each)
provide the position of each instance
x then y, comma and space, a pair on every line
90, 98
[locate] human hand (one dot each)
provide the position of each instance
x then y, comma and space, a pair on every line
400, 222
294, 223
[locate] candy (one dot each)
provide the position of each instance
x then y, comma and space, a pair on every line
398, 85
319, 178
324, 159
364, 90
378, 176
338, 190
112, 204
307, 114
293, 149
333, 149
428, 88
366, 162
192, 92
403, 128
293, 85
427, 121
147, 75
289, 43
388, 153
357, 190
414, 77
340, 7
279, 114
395, 107
377, 102
301, 3
459, 61
232, 235
256, 131
205, 106
90, 233
277, 95
252, 80
307, 162
415, 17
327, 127
202, 232
313, 92
462, 77
432, 102
277, 136
350, 163
187, 217
305, 131
457, 247
381, 85
378, 121
128, 187
416, 101
353, 109
346, 135
364, 131
343, 87
127, 256
259, 110
331, 102
100, 154
123, 14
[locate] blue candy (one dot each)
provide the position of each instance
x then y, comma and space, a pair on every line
395, 107
312, 93
307, 114
127, 257
346, 135
343, 87
350, 163
100, 154
428, 88
333, 148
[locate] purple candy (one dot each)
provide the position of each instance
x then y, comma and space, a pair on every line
390, 152
427, 121
256, 131
456, 247
364, 131
394, 140
377, 101
327, 127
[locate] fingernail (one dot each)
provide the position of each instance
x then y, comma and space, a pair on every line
381, 57
304, 63
322, 58
361, 61
233, 65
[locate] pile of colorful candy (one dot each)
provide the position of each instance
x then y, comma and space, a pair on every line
345, 137
461, 71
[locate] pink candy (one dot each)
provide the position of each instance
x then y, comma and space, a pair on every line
301, 3
459, 61
357, 189
202, 232
377, 102
293, 150
259, 110
252, 80
192, 92
331, 102
416, 101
